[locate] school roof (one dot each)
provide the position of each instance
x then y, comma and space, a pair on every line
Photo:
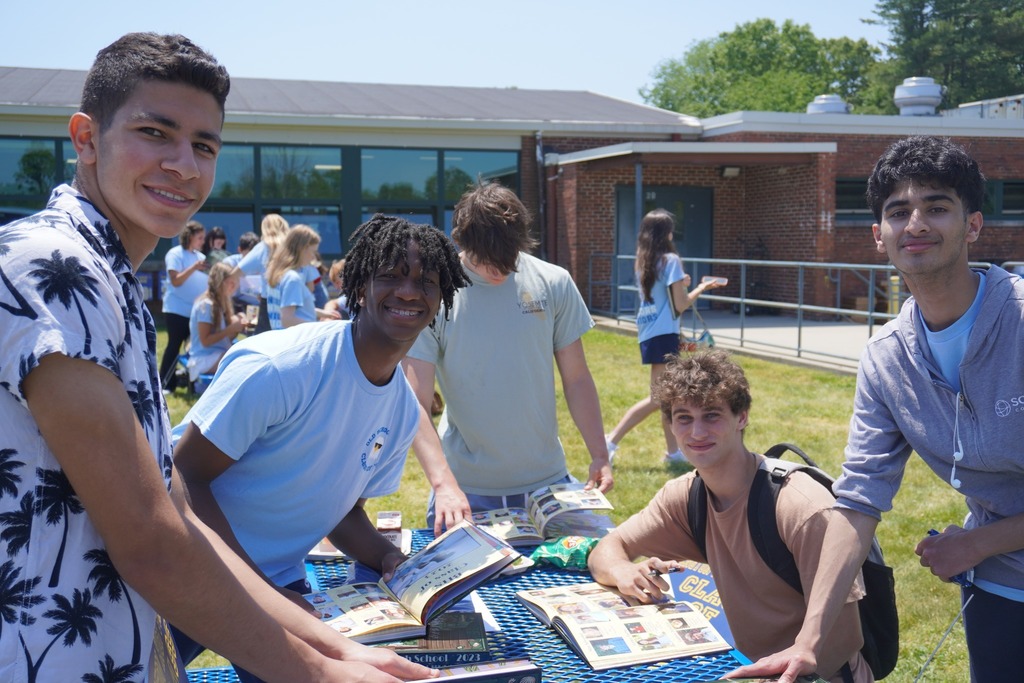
57, 92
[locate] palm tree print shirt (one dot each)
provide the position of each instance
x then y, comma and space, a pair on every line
67, 286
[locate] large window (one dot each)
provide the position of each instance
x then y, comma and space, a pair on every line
300, 172
326, 220
306, 184
850, 199
399, 174
462, 169
28, 168
1004, 198
236, 175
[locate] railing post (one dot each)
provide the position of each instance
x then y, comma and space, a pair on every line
799, 311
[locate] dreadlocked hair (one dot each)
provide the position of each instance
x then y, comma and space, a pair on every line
383, 241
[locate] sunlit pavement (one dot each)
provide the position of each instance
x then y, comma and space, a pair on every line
834, 345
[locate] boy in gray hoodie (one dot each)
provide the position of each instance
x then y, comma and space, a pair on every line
944, 380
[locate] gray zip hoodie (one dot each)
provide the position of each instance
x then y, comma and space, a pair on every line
902, 403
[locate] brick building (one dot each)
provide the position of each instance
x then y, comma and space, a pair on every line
746, 185
764, 186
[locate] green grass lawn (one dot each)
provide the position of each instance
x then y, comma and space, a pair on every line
810, 408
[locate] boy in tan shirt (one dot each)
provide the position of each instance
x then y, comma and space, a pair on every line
707, 400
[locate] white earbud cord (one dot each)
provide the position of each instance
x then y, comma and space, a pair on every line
958, 453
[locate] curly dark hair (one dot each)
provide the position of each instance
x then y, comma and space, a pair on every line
931, 161
383, 241
703, 379
137, 57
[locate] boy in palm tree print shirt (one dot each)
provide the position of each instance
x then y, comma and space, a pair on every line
64, 608
95, 533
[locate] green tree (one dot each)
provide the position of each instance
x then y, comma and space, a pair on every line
456, 182
36, 171
974, 48
760, 66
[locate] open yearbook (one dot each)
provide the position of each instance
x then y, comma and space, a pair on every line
551, 512
608, 629
421, 587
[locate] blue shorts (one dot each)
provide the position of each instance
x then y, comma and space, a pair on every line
654, 350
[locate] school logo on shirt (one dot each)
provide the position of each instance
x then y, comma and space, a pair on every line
374, 448
530, 305
1014, 405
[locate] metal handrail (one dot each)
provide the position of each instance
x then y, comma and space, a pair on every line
879, 279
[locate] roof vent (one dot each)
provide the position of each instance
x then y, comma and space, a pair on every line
828, 104
918, 96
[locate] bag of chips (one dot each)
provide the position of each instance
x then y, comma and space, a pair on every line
567, 552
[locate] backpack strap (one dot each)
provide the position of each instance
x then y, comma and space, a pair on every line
778, 450
762, 522
761, 515
697, 513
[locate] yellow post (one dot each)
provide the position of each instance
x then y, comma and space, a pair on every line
894, 294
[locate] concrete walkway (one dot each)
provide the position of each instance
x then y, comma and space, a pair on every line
828, 345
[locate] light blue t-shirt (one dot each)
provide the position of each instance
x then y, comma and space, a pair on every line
254, 265
654, 318
255, 262
949, 345
292, 290
202, 358
310, 434
179, 300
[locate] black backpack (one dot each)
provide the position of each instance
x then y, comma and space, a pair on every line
878, 617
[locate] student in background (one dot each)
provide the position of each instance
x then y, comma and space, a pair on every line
524, 312
663, 297
214, 245
249, 286
213, 324
186, 280
289, 299
273, 229
316, 272
339, 303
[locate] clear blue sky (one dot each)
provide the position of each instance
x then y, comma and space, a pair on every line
605, 46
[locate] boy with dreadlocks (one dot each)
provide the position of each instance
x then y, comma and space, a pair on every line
301, 425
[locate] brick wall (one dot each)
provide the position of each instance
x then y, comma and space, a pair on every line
769, 212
